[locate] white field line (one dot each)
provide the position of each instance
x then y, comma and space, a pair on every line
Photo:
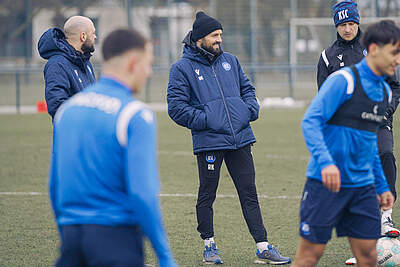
269, 156
177, 195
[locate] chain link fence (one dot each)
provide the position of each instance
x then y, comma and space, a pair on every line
278, 42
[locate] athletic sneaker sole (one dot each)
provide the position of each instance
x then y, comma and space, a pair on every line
211, 262
392, 234
259, 261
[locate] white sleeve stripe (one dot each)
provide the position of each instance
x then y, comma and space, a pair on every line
325, 58
123, 121
349, 79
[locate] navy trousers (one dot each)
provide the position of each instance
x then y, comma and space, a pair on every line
241, 168
97, 245
385, 147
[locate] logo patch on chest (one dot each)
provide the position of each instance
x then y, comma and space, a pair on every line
226, 66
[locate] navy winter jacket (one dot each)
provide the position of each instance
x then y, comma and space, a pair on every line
344, 53
67, 71
213, 98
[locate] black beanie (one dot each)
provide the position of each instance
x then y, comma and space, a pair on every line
203, 25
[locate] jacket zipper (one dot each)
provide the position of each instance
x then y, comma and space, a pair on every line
226, 107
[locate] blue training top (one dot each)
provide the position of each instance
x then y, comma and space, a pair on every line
356, 151
104, 169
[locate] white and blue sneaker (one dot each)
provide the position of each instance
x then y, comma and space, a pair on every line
388, 228
211, 255
271, 256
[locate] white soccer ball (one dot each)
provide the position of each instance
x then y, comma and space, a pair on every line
388, 250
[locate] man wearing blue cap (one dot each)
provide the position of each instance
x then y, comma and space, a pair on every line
209, 93
346, 51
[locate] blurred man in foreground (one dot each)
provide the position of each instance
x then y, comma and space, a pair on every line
104, 180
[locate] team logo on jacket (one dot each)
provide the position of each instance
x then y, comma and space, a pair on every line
365, 52
210, 158
200, 77
226, 66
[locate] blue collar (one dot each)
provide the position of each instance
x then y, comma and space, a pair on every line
115, 83
364, 69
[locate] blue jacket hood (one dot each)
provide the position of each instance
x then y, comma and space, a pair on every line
53, 42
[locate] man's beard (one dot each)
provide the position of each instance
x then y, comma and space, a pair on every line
87, 48
210, 49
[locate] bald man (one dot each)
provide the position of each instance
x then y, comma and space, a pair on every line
68, 69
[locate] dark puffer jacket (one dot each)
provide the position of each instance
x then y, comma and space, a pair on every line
67, 71
212, 96
344, 53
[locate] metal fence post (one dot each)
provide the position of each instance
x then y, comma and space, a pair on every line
128, 4
212, 8
253, 39
17, 91
170, 57
292, 47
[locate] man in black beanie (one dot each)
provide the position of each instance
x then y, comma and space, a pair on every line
209, 93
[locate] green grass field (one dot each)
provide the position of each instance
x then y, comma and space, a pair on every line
28, 235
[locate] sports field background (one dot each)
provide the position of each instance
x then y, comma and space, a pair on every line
28, 235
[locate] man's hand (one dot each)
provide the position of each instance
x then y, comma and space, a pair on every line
331, 178
386, 200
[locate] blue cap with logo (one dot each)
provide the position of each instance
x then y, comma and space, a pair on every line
345, 11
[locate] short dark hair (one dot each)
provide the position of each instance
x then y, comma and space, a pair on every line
381, 33
121, 40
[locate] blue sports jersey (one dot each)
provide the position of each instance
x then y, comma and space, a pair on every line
104, 169
356, 152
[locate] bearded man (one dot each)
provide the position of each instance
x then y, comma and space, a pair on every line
68, 69
209, 93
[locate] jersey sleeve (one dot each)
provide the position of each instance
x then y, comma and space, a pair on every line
142, 182
333, 93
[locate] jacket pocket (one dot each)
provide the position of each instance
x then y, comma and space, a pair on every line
216, 117
239, 113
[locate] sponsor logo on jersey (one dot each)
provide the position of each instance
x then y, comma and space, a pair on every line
372, 116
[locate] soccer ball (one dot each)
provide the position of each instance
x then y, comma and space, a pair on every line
388, 250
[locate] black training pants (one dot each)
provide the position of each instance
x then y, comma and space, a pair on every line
385, 147
241, 168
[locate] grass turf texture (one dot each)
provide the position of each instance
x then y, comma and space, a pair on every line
28, 235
